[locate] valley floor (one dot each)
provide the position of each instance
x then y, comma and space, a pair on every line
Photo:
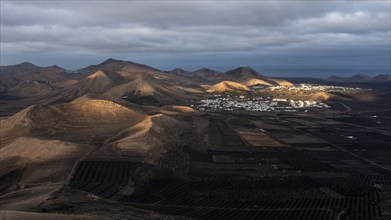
256, 166
105, 159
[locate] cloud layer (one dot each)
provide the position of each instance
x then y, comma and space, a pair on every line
263, 33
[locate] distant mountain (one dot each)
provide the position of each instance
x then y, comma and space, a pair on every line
201, 75
21, 68
360, 78
179, 72
117, 65
96, 83
335, 78
30, 70
250, 77
27, 79
243, 75
380, 78
243, 72
206, 73
124, 79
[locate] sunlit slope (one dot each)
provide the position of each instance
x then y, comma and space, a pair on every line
254, 82
88, 121
226, 86
96, 83
281, 82
150, 90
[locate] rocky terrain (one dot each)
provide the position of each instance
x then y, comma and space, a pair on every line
125, 140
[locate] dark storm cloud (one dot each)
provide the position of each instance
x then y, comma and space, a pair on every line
229, 30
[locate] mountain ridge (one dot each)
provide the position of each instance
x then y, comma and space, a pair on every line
360, 78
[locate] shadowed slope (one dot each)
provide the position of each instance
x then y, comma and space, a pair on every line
118, 65
250, 77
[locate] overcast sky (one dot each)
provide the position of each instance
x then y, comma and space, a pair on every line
301, 38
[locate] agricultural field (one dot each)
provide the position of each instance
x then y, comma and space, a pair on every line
309, 167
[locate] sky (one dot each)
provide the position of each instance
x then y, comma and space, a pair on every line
282, 38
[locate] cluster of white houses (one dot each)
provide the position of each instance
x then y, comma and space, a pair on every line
305, 104
256, 104
39, 82
308, 87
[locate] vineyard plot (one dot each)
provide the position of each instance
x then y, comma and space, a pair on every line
221, 134
103, 178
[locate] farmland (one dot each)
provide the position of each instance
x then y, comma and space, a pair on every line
303, 167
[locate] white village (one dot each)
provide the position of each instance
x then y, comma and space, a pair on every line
268, 104
309, 87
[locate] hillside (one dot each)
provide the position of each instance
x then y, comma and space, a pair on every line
27, 79
205, 74
226, 86
148, 89
250, 77
69, 122
281, 82
179, 72
115, 80
117, 65
30, 70
242, 73
254, 82
41, 144
96, 83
